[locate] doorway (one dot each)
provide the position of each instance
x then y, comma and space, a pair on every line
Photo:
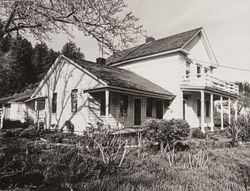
137, 111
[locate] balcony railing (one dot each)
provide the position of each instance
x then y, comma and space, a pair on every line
206, 80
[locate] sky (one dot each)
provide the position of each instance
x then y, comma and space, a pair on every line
226, 23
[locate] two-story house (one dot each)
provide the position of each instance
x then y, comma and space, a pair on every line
183, 64
166, 78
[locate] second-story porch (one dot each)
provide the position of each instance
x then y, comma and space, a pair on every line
199, 95
209, 82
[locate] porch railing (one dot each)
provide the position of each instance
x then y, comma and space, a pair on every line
210, 81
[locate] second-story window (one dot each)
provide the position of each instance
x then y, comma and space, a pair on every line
54, 102
205, 70
74, 100
187, 69
198, 71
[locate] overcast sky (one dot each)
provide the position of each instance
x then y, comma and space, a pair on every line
226, 23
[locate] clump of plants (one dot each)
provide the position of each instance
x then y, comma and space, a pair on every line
165, 133
197, 133
239, 130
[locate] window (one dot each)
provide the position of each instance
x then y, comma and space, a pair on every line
149, 107
206, 70
198, 71
187, 69
74, 100
159, 109
41, 104
123, 105
207, 108
198, 108
102, 103
54, 102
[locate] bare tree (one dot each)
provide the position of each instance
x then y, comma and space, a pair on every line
105, 20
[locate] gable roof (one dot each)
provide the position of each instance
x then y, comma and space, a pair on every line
169, 43
121, 78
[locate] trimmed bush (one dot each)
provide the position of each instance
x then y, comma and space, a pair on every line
197, 133
166, 133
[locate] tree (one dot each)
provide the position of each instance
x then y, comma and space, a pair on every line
70, 50
21, 50
105, 20
244, 98
40, 52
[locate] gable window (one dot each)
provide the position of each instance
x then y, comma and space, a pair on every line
74, 100
207, 108
198, 108
54, 102
102, 104
198, 71
149, 107
187, 69
123, 105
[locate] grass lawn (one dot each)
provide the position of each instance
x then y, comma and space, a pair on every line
70, 168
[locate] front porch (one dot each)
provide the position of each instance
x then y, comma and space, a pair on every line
125, 109
199, 107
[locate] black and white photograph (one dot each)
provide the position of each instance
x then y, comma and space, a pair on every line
124, 95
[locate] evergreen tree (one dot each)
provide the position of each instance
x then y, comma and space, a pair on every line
71, 51
39, 55
21, 50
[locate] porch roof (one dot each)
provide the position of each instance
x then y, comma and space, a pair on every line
124, 80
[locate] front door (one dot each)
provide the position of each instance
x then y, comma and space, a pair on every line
137, 111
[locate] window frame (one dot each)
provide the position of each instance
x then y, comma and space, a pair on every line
200, 68
54, 102
102, 101
123, 112
188, 69
74, 100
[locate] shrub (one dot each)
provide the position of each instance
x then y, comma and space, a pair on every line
70, 126
197, 133
166, 132
9, 124
239, 129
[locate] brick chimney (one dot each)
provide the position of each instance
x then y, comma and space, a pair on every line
150, 39
101, 60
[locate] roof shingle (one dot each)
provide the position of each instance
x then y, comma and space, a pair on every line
122, 78
161, 45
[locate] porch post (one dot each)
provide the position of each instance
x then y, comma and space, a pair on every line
36, 113
212, 111
229, 111
107, 105
221, 113
2, 117
202, 111
236, 109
